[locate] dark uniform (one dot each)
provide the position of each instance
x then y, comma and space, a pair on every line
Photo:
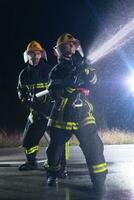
31, 81
71, 80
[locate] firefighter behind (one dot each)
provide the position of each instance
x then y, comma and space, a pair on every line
71, 80
32, 79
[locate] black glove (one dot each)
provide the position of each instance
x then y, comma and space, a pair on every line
30, 100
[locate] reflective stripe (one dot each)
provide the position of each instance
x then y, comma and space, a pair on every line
52, 168
73, 125
94, 79
63, 103
88, 120
68, 194
99, 168
70, 89
36, 86
67, 150
32, 150
90, 106
65, 125
86, 70
61, 108
30, 117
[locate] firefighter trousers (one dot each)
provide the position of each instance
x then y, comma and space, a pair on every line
90, 144
33, 133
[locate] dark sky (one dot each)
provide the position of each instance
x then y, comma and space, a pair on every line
92, 22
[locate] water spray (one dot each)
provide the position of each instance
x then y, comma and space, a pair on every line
116, 41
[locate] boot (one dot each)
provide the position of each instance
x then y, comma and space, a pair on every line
98, 188
28, 165
52, 179
98, 181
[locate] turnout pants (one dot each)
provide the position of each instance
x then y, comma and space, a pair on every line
90, 144
33, 133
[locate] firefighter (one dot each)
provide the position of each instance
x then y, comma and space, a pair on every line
33, 79
71, 80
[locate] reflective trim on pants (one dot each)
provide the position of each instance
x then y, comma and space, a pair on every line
67, 150
31, 150
99, 168
52, 168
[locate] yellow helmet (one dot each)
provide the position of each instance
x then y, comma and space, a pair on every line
66, 37
34, 46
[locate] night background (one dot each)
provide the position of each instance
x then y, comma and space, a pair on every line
93, 22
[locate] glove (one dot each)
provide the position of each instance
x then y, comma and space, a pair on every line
30, 100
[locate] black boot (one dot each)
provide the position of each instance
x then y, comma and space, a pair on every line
98, 188
52, 179
28, 165
98, 181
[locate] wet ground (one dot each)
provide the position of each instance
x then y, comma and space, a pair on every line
16, 185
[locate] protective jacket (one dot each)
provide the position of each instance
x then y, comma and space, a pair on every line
69, 81
33, 79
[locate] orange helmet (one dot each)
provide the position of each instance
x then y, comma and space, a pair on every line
66, 37
34, 46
